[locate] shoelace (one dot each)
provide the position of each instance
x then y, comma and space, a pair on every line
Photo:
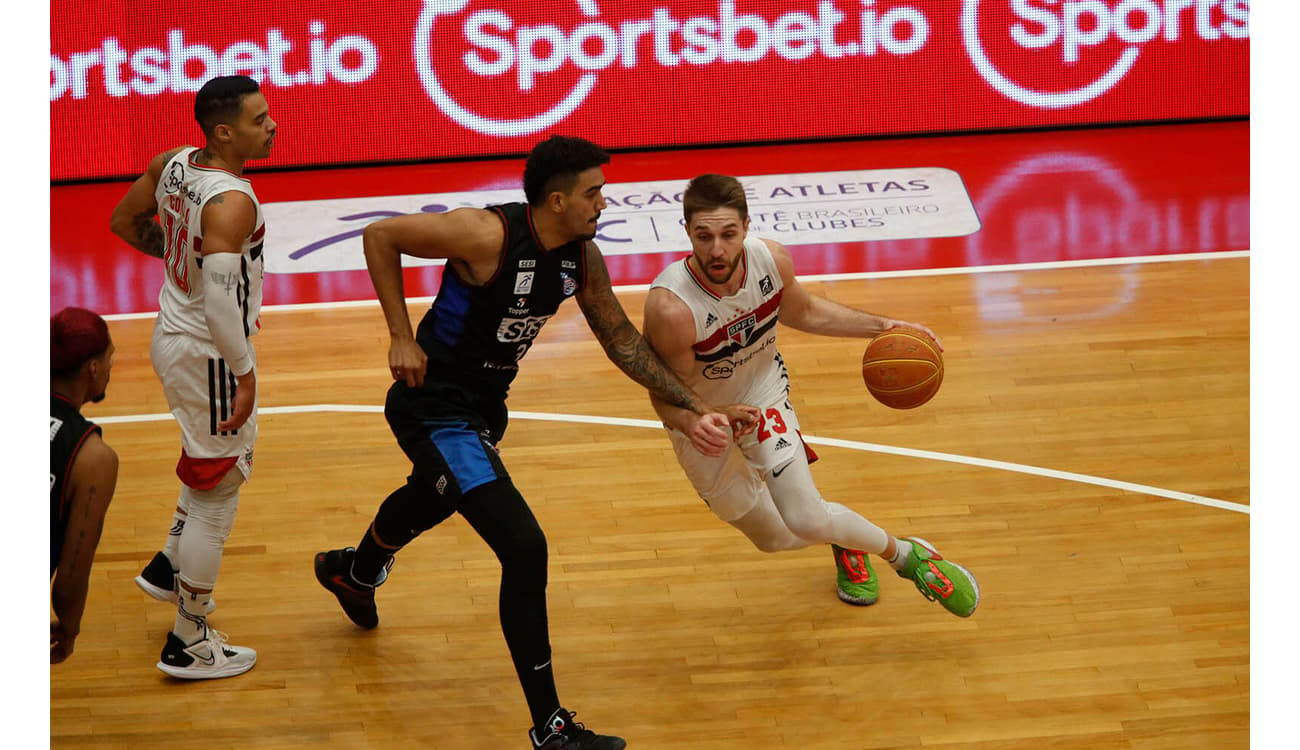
219, 639
580, 730
923, 585
922, 567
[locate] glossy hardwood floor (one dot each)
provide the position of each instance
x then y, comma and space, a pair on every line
1110, 618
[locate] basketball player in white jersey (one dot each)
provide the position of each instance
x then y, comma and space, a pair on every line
209, 236
712, 317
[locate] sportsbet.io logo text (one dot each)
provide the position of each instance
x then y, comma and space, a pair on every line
181, 65
542, 61
1074, 27
497, 45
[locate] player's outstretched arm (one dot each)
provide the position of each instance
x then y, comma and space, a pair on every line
133, 217
630, 352
469, 239
670, 332
812, 313
91, 481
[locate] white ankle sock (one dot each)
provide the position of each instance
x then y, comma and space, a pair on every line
191, 616
902, 552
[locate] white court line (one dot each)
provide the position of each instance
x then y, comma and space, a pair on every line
630, 288
833, 442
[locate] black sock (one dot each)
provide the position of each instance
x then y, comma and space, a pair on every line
370, 558
405, 514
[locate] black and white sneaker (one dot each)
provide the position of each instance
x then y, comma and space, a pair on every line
563, 733
207, 658
334, 572
158, 579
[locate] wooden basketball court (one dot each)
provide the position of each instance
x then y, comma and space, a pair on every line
1087, 458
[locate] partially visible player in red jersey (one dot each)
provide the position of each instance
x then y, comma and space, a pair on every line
83, 469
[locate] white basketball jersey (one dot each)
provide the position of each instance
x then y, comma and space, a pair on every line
184, 188
736, 360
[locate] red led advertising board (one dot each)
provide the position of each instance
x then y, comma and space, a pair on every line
391, 81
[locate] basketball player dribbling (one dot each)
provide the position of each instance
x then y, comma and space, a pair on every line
209, 236
712, 317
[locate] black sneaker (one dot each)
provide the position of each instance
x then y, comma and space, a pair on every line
334, 571
159, 581
563, 733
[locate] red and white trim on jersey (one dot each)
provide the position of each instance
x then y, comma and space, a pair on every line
703, 285
739, 332
209, 168
736, 360
182, 195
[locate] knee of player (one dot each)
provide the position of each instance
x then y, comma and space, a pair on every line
811, 523
769, 545
527, 548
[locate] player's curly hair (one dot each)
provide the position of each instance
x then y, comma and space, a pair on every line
220, 100
709, 191
553, 166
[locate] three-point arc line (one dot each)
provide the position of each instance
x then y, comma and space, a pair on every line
832, 442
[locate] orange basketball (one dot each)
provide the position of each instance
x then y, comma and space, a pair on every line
902, 368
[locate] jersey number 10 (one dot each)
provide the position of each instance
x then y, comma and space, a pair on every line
176, 255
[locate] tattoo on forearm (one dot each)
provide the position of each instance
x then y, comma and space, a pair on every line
148, 234
228, 282
81, 538
622, 342
626, 348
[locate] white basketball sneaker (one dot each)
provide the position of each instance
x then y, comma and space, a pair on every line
207, 658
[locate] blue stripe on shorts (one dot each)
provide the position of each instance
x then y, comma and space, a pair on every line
463, 450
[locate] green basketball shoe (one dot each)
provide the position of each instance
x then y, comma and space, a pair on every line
941, 580
855, 581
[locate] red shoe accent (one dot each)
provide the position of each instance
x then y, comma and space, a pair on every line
946, 589
855, 565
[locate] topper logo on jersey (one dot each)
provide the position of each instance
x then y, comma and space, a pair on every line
1076, 26
495, 45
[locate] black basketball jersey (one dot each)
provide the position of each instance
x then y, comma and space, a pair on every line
476, 335
68, 432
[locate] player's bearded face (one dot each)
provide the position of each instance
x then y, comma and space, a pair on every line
585, 203
717, 242
99, 385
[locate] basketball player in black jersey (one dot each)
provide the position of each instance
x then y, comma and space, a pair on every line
508, 269
83, 469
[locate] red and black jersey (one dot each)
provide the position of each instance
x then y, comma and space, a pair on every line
68, 432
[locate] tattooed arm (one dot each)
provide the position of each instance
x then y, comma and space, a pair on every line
133, 217
627, 349
90, 487
670, 331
